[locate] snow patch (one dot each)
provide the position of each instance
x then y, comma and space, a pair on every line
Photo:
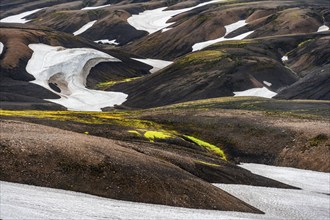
68, 70
229, 28
260, 92
156, 19
312, 181
95, 7
156, 64
267, 83
106, 41
20, 17
323, 28
1, 47
85, 27
285, 58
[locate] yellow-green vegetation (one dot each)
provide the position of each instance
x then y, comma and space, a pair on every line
207, 56
124, 119
106, 85
152, 135
304, 43
207, 163
208, 146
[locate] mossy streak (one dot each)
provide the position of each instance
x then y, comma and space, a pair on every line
208, 146
207, 163
106, 85
207, 56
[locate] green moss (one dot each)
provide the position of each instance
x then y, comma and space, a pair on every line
152, 135
106, 85
208, 146
207, 163
134, 132
304, 43
207, 56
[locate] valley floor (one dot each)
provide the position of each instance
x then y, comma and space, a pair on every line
20, 201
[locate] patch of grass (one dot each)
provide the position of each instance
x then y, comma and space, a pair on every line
208, 146
317, 140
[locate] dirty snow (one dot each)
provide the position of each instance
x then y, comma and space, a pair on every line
1, 47
323, 28
267, 83
95, 7
20, 18
106, 41
68, 69
156, 19
85, 27
260, 92
20, 201
229, 28
156, 64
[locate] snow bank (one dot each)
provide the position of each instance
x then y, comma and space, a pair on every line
229, 28
1, 47
68, 70
323, 28
106, 41
260, 92
20, 201
95, 7
20, 17
306, 179
156, 19
85, 27
156, 64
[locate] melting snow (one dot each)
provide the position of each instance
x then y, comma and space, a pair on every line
260, 92
85, 27
68, 69
95, 7
285, 58
1, 47
323, 28
156, 64
20, 17
20, 201
106, 41
267, 83
229, 28
156, 19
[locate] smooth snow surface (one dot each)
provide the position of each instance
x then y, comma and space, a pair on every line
1, 47
156, 19
156, 64
85, 27
20, 201
229, 28
68, 69
260, 92
106, 41
323, 28
305, 179
20, 17
95, 7
267, 83
285, 58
